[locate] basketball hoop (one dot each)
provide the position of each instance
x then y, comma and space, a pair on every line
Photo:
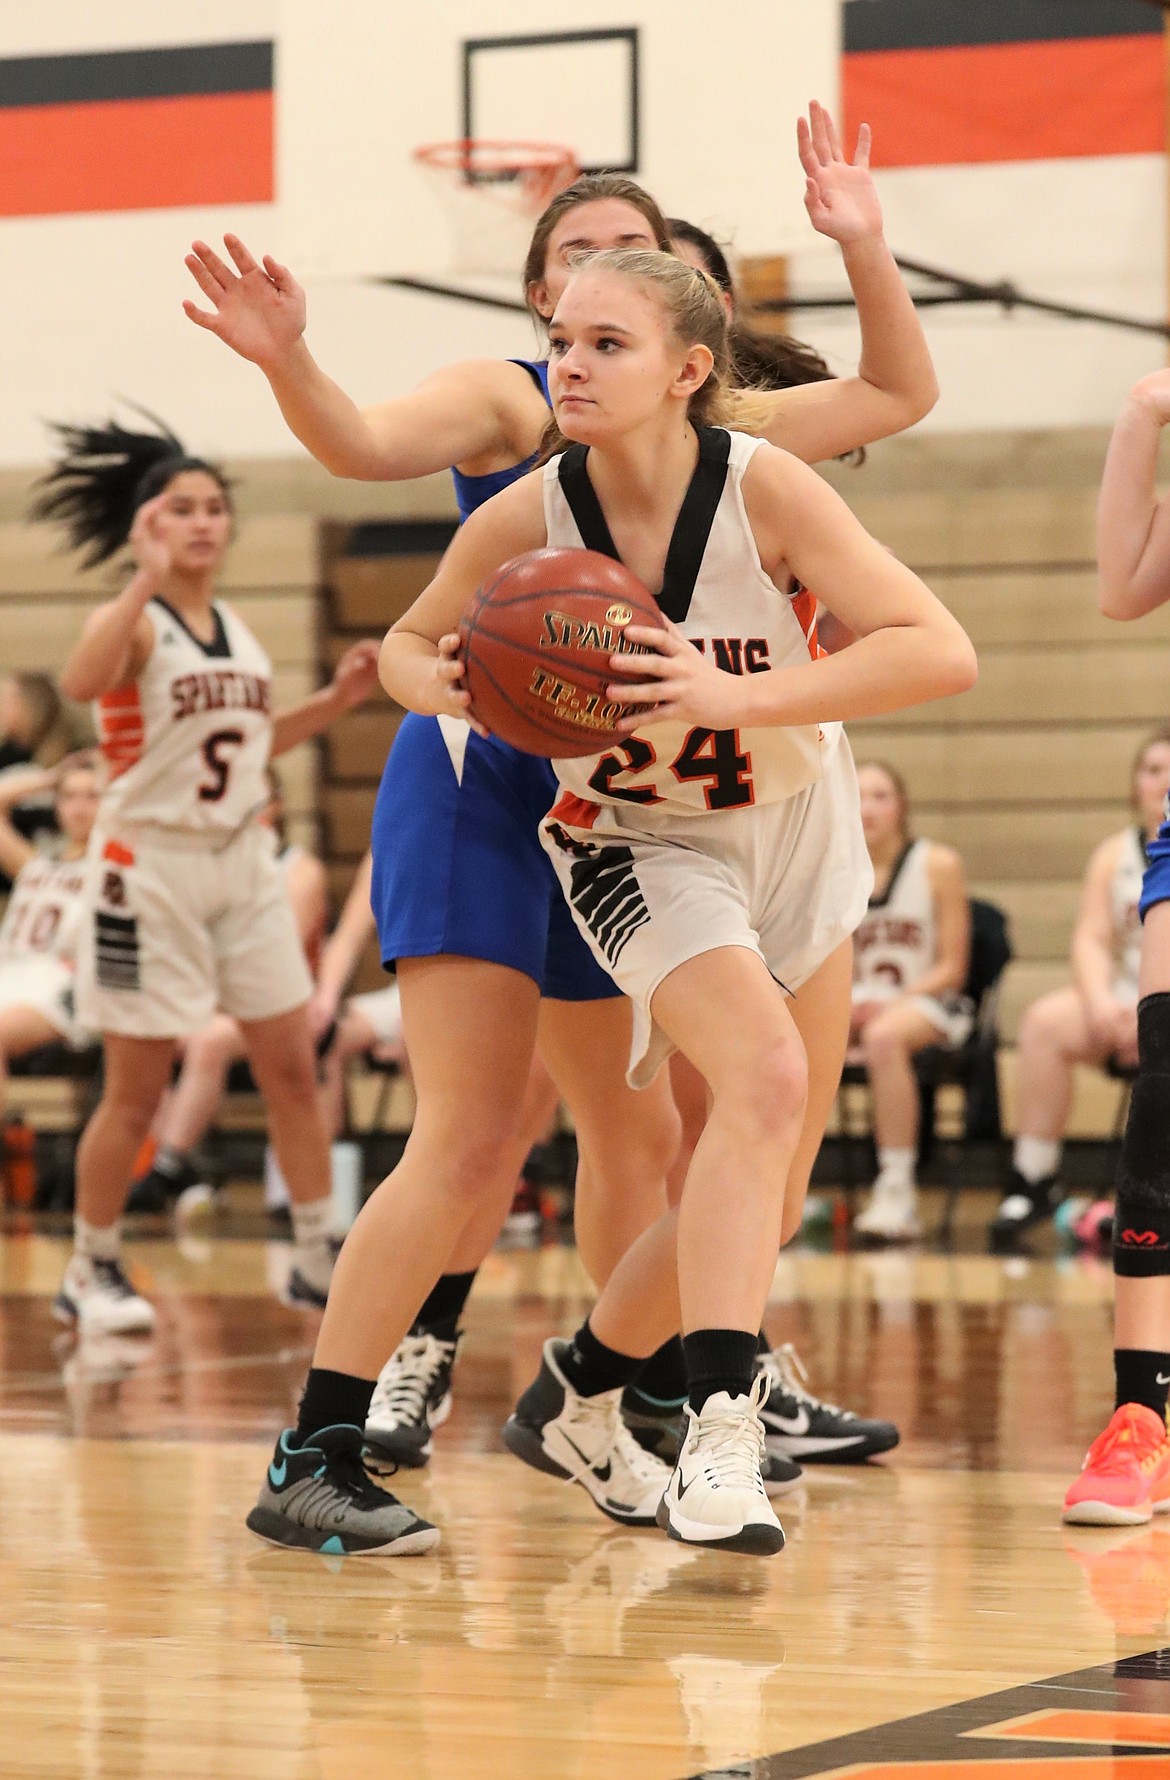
492, 191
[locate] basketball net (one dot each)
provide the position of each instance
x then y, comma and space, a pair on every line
492, 192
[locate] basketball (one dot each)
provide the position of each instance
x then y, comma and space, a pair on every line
536, 649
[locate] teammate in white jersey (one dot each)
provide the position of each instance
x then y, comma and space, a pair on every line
186, 911
762, 837
1094, 1018
38, 935
910, 960
209, 1054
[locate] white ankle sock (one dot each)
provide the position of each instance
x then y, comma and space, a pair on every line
1036, 1158
312, 1223
895, 1171
97, 1244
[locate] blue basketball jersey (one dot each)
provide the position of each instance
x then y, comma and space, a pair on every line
458, 865
472, 491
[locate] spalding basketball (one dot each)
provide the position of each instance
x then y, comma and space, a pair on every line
536, 649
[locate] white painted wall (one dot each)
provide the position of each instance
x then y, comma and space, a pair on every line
91, 304
1084, 232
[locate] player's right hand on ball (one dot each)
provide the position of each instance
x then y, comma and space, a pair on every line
257, 309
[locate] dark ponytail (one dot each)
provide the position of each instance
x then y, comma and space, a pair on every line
103, 474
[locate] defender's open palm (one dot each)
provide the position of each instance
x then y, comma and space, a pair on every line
258, 309
839, 195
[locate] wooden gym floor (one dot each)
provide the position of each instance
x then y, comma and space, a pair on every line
144, 1633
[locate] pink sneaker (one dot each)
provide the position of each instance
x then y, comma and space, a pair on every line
1126, 1476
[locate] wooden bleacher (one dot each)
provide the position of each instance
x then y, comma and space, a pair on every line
1026, 773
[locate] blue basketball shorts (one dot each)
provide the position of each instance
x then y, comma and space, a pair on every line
1156, 880
458, 864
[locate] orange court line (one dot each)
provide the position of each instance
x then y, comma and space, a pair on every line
1057, 1724
1045, 1767
137, 154
1008, 101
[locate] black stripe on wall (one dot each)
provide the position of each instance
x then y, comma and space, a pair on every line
940, 24
136, 74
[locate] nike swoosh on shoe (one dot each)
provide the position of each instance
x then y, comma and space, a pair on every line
787, 1424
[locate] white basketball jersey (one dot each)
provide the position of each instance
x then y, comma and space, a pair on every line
716, 591
186, 744
1124, 895
43, 916
895, 944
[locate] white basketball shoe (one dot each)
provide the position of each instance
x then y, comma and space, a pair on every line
716, 1494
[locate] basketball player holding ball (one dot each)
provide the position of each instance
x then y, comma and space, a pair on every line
753, 873
468, 808
186, 910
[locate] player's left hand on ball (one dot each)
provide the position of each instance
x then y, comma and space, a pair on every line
356, 674
839, 195
676, 683
453, 700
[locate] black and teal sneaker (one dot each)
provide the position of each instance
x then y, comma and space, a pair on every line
320, 1497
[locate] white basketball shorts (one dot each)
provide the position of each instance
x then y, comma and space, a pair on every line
789, 881
381, 1009
47, 986
180, 925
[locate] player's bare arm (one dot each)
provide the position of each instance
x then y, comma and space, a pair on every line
116, 640
457, 416
418, 664
1092, 948
952, 924
354, 679
1133, 525
895, 382
909, 649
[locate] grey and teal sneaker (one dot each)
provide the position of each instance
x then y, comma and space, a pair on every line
319, 1497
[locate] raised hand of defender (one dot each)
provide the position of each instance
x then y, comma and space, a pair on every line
151, 552
258, 309
1153, 394
839, 195
675, 684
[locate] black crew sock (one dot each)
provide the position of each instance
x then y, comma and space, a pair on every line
1142, 1377
331, 1400
763, 1345
591, 1367
719, 1360
662, 1379
443, 1306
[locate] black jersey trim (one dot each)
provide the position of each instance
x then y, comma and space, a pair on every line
692, 528
219, 649
882, 901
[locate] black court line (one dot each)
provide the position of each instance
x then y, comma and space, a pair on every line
136, 74
1137, 1684
955, 24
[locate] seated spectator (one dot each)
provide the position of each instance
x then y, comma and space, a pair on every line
38, 936
910, 963
209, 1054
363, 1025
1094, 1018
39, 727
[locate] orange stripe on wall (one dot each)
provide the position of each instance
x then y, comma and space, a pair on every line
137, 154
1009, 101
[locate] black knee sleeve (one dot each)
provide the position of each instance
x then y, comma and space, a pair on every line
1141, 1226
